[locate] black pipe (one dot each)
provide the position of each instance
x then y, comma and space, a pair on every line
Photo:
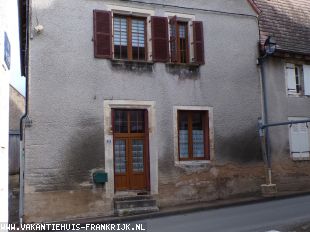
26, 64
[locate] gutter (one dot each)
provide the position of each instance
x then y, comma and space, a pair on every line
265, 117
190, 8
21, 125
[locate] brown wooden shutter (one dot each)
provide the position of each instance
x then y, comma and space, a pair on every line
160, 39
102, 34
199, 55
173, 39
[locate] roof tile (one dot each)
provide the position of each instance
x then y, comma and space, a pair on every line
288, 21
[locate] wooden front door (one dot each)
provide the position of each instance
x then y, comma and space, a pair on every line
131, 162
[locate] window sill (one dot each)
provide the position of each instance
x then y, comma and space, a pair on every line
193, 164
300, 158
297, 95
132, 65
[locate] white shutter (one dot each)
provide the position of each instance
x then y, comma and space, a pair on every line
299, 138
291, 79
307, 79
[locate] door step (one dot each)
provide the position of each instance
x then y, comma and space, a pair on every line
133, 205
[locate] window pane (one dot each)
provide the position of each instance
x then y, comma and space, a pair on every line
138, 39
182, 42
141, 53
120, 156
124, 53
198, 135
182, 31
137, 121
183, 134
120, 121
137, 155
120, 37
117, 52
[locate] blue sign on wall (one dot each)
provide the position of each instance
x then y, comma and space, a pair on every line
7, 51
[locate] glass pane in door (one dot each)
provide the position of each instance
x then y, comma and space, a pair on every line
137, 155
120, 121
120, 156
137, 121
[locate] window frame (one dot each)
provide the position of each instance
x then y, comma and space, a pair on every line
206, 134
129, 19
299, 81
178, 41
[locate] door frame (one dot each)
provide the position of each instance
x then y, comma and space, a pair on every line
109, 141
128, 138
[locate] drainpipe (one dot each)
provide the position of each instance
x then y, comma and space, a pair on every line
22, 137
265, 118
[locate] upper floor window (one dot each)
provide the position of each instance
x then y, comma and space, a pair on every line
179, 42
298, 79
129, 37
125, 37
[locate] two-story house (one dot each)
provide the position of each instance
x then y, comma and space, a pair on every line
150, 101
287, 74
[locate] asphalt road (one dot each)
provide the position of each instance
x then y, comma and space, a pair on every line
278, 215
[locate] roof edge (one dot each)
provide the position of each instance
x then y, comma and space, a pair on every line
254, 6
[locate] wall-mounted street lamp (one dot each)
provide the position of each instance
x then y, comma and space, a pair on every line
270, 47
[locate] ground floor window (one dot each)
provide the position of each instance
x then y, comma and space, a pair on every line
193, 135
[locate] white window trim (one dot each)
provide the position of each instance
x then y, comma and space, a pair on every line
290, 139
288, 93
108, 137
186, 18
124, 10
179, 163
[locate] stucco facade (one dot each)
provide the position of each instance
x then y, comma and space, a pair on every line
71, 94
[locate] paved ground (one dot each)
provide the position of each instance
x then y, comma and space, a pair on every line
13, 198
282, 215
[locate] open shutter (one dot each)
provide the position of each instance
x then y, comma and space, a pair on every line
291, 79
199, 54
102, 34
173, 39
306, 69
160, 44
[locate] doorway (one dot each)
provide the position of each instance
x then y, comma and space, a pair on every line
130, 149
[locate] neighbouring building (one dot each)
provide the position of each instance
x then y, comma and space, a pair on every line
288, 89
150, 100
17, 108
